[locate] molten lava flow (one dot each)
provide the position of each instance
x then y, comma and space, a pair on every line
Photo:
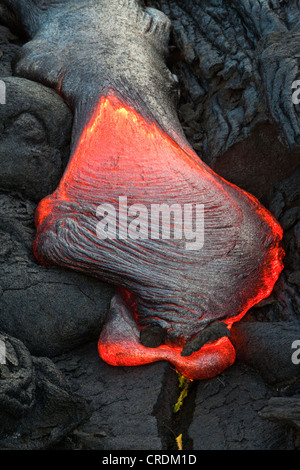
119, 345
121, 153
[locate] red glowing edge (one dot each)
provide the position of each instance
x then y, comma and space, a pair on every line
113, 124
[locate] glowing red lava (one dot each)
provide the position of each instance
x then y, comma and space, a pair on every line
120, 149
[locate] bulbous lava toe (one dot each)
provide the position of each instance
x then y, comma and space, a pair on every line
177, 289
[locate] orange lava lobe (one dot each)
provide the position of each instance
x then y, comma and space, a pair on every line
120, 149
119, 345
209, 361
